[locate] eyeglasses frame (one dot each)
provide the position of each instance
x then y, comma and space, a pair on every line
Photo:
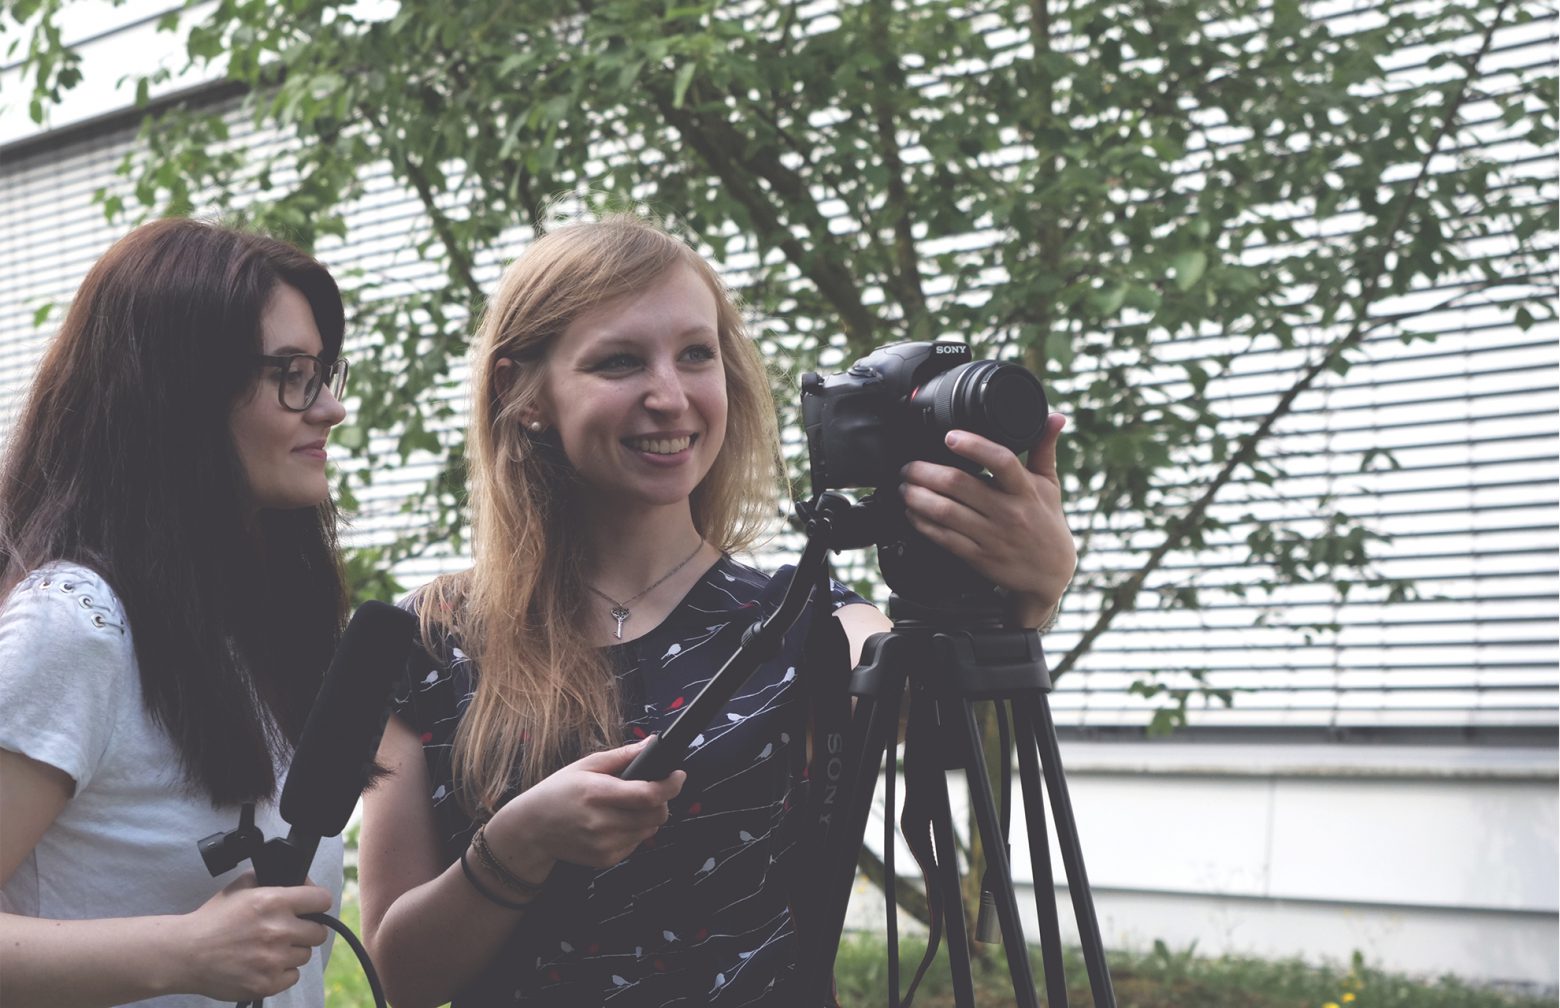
333, 374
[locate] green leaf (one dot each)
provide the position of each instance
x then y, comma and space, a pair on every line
350, 436
1107, 301
684, 78
1143, 298
1197, 375
1188, 268
1059, 350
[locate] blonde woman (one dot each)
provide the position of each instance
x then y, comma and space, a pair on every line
623, 445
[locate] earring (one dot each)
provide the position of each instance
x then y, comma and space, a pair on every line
535, 426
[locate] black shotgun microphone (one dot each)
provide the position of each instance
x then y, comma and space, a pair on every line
334, 760
335, 756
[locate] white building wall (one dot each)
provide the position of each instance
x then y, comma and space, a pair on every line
1427, 860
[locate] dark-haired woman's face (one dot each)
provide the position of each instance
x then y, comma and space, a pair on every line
282, 452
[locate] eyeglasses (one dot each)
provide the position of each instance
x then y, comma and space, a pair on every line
301, 376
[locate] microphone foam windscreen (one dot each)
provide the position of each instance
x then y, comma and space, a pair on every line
335, 754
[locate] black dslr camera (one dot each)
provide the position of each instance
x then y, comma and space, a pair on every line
895, 406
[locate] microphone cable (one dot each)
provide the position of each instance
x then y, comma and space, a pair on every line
357, 949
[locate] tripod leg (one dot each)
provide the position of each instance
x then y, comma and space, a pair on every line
878, 719
890, 880
1040, 857
1072, 855
1013, 943
948, 869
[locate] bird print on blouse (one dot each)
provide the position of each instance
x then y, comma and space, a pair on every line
697, 915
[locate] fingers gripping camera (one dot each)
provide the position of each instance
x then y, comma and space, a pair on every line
895, 406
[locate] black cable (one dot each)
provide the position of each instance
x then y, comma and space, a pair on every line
357, 949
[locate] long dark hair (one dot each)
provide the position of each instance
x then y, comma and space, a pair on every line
122, 460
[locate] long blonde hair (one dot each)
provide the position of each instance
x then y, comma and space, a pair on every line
545, 693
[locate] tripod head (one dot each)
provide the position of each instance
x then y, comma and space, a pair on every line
912, 566
972, 654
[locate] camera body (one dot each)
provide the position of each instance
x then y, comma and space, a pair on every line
896, 406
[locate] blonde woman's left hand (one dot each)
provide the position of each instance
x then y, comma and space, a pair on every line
1010, 528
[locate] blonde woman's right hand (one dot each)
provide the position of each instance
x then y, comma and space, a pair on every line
584, 814
248, 941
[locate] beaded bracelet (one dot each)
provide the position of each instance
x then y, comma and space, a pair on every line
491, 863
484, 891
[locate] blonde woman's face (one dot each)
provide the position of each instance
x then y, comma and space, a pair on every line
637, 391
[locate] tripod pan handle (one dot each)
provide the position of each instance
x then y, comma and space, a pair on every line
655, 761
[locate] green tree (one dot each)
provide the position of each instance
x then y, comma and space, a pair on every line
1082, 185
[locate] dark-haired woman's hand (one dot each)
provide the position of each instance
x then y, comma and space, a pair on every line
1010, 528
584, 814
249, 941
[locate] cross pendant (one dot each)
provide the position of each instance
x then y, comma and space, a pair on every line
621, 615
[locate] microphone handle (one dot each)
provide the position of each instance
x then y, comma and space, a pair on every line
285, 861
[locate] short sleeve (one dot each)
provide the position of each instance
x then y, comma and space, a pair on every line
841, 596
430, 699
400, 704
67, 668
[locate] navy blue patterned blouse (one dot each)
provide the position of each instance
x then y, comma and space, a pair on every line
698, 914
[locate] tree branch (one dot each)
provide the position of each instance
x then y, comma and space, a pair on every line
906, 897
717, 144
461, 267
904, 273
1049, 238
1123, 597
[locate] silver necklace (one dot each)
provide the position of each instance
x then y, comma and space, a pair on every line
620, 611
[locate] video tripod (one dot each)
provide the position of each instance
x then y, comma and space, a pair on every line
948, 660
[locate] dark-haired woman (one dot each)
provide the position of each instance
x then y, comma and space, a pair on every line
171, 597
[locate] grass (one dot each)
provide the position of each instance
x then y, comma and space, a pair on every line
1160, 979
1164, 979
345, 984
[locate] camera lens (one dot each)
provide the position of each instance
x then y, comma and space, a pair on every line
997, 400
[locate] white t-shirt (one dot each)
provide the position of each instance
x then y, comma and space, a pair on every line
125, 843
